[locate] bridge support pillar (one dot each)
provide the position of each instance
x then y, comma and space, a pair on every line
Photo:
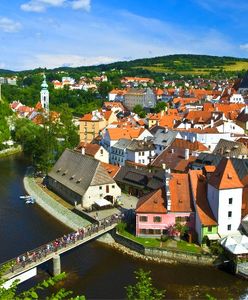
56, 265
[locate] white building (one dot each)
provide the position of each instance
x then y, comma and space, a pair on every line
44, 95
225, 197
209, 136
237, 98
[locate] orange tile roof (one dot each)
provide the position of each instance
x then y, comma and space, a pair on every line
90, 149
199, 191
186, 144
180, 193
153, 202
168, 120
124, 133
209, 169
225, 176
107, 114
245, 196
111, 169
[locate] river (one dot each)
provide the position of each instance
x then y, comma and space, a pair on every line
96, 270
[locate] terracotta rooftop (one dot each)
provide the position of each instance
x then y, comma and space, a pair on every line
90, 149
199, 191
111, 169
153, 202
225, 176
180, 195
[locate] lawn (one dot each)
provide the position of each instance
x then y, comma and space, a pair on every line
169, 244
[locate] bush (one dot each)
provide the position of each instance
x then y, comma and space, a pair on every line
216, 249
121, 227
164, 238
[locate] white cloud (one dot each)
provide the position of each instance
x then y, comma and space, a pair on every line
53, 61
8, 25
42, 5
81, 4
244, 47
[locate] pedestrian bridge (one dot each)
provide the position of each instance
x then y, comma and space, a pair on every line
28, 262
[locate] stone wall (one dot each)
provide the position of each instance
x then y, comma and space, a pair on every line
163, 255
10, 151
54, 208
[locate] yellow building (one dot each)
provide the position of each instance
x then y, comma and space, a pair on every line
92, 124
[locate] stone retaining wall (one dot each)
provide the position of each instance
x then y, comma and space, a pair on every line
163, 255
54, 208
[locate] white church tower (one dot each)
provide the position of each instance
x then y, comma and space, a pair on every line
44, 95
225, 197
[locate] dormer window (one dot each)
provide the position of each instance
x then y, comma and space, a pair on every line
58, 170
65, 172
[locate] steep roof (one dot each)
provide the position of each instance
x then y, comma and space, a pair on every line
153, 202
77, 172
181, 200
230, 148
199, 191
125, 133
90, 149
225, 176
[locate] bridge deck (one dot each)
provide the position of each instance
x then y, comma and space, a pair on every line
46, 252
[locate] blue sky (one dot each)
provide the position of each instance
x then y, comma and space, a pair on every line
52, 33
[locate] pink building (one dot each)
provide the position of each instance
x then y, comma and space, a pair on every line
158, 211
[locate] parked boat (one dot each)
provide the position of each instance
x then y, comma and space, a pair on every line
30, 201
25, 197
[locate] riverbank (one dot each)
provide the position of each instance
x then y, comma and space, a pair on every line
159, 255
10, 151
117, 241
55, 209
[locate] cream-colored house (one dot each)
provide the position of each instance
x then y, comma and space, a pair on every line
91, 124
81, 179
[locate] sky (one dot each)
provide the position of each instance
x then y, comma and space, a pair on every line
54, 33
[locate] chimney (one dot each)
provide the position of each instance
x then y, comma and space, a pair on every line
193, 139
212, 123
83, 151
167, 189
186, 154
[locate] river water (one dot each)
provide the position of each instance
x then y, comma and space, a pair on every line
96, 270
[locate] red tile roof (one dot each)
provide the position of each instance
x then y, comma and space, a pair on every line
225, 176
153, 202
180, 194
199, 191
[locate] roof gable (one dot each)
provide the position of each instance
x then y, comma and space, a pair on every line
225, 176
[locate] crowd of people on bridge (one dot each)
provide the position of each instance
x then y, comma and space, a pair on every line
63, 242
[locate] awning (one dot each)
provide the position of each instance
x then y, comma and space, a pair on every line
213, 237
102, 202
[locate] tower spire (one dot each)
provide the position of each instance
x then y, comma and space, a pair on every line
44, 95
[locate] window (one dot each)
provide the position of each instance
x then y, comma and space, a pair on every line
157, 219
113, 186
101, 152
150, 231
209, 228
182, 219
143, 218
143, 231
229, 227
230, 200
100, 187
229, 214
157, 231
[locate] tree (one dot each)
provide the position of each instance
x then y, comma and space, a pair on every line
143, 289
160, 106
104, 88
181, 228
138, 109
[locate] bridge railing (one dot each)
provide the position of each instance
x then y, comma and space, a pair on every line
39, 254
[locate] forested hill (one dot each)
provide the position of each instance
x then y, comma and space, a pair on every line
179, 63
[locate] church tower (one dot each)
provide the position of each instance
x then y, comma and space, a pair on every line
44, 95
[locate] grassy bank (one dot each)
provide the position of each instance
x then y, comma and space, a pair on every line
10, 151
170, 244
